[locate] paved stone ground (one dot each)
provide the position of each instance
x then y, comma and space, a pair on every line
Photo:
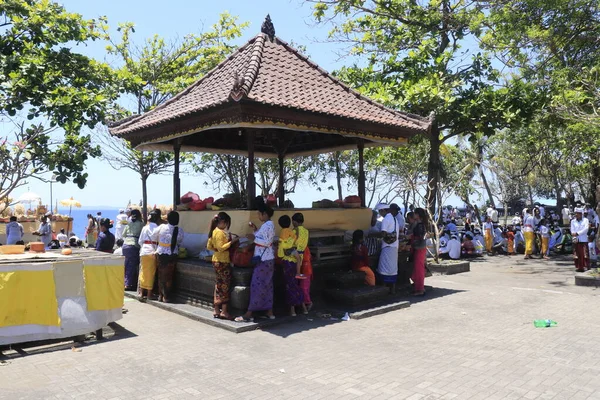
473, 339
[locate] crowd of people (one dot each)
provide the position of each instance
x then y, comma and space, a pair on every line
532, 231
150, 250
392, 232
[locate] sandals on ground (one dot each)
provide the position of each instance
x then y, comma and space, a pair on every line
242, 319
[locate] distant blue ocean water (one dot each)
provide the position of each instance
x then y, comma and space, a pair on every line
80, 217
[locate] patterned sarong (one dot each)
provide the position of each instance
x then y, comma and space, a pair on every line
293, 294
222, 282
261, 288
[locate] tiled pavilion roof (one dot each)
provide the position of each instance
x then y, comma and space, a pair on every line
293, 106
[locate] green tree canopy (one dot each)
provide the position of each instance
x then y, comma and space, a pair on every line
44, 78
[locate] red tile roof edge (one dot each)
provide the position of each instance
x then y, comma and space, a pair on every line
414, 118
122, 125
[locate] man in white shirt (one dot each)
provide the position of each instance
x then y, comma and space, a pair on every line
494, 215
452, 249
488, 211
542, 210
121, 222
516, 220
566, 216
395, 210
589, 211
579, 231
388, 258
62, 238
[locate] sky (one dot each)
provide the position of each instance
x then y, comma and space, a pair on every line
176, 18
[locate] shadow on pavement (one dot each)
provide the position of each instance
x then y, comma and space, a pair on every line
111, 333
331, 314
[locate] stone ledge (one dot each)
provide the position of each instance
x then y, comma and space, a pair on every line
450, 268
371, 312
205, 315
586, 280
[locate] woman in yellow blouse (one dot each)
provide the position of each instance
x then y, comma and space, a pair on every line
219, 241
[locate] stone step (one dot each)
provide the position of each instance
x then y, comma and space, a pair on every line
345, 279
352, 297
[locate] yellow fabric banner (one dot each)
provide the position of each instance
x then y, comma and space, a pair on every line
104, 285
28, 297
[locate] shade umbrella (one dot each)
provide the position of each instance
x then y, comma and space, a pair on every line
70, 203
28, 198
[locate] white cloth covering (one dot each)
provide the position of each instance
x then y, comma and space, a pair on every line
388, 261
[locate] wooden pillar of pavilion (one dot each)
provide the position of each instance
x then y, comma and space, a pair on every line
281, 181
176, 180
250, 182
362, 192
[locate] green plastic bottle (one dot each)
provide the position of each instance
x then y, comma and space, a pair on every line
544, 323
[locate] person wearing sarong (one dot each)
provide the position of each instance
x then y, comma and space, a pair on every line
528, 233
168, 236
360, 257
91, 231
488, 227
131, 249
419, 250
579, 230
388, 258
288, 255
545, 239
147, 254
510, 236
121, 222
261, 288
220, 241
304, 258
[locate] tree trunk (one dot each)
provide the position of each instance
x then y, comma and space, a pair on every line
486, 185
433, 168
593, 198
530, 195
145, 198
338, 174
558, 191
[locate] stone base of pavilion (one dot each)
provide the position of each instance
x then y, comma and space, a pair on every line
334, 291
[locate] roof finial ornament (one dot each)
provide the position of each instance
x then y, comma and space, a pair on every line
237, 92
267, 28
